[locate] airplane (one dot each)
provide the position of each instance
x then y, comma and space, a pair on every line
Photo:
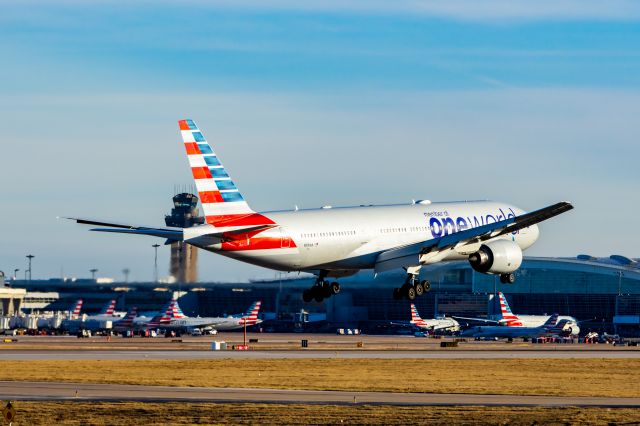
509, 319
338, 242
107, 314
180, 321
550, 328
442, 324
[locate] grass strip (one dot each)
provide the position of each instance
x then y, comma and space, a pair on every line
567, 377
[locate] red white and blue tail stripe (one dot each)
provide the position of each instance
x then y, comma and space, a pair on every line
506, 316
222, 203
415, 317
75, 313
251, 316
127, 321
110, 308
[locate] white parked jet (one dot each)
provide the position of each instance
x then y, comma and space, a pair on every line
338, 242
434, 324
178, 320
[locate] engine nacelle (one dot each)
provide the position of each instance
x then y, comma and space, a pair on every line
497, 257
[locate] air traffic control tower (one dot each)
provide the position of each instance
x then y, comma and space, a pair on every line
184, 257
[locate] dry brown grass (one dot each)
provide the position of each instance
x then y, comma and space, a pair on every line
569, 377
126, 413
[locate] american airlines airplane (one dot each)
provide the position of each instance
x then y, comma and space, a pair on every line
550, 328
178, 320
435, 324
509, 319
338, 242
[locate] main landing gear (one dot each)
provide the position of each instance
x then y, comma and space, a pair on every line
507, 278
321, 290
412, 287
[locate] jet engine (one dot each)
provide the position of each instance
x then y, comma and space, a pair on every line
497, 257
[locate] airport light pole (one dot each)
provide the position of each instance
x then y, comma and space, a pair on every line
93, 273
30, 256
155, 262
15, 274
126, 271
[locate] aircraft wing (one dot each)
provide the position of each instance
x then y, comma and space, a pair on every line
469, 240
485, 320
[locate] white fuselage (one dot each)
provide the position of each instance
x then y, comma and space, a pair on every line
216, 323
351, 238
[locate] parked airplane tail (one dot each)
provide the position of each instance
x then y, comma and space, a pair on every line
222, 203
174, 311
110, 308
551, 322
163, 317
506, 315
415, 317
127, 321
76, 309
251, 316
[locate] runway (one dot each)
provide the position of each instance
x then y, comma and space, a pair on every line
58, 391
53, 355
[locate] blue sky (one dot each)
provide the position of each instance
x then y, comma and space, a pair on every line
311, 104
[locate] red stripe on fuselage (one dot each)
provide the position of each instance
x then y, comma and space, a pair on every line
239, 220
250, 241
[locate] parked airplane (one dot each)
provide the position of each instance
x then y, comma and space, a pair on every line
509, 319
180, 321
550, 328
107, 314
338, 242
442, 324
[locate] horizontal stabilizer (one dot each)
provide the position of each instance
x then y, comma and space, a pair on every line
169, 234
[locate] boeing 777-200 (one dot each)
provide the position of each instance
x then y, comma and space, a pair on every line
338, 242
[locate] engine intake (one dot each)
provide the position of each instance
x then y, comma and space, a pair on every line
497, 257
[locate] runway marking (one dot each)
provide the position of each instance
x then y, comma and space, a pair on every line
60, 391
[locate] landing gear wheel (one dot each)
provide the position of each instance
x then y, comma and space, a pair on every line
397, 293
410, 292
307, 295
426, 285
325, 290
507, 278
419, 289
334, 288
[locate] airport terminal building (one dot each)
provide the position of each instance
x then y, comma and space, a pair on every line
603, 291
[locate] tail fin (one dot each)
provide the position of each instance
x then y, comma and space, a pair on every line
222, 203
551, 322
251, 316
174, 310
415, 317
127, 321
76, 309
505, 310
163, 317
110, 308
